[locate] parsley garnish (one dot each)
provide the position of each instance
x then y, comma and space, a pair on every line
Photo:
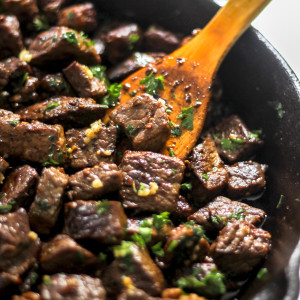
168, 111
160, 220
113, 94
41, 23
20, 82
124, 252
255, 134
133, 39
52, 105
238, 141
280, 201
173, 171
263, 274
176, 131
46, 280
187, 118
217, 219
130, 129
71, 37
231, 143
5, 209
86, 40
205, 176
186, 186
172, 153
138, 239
172, 246
43, 204
153, 84
157, 249
51, 161
13, 123
103, 207
99, 72
238, 214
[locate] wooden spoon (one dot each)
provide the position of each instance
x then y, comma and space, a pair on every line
189, 72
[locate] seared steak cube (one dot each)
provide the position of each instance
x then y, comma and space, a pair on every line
35, 141
51, 8
185, 245
82, 17
145, 122
103, 221
10, 36
120, 40
63, 254
234, 140
67, 111
47, 204
216, 214
3, 167
245, 178
84, 82
19, 187
62, 44
92, 183
183, 209
151, 181
19, 246
209, 175
239, 247
134, 262
157, 39
91, 146
24, 10
71, 287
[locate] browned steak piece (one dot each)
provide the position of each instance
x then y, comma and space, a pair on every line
3, 167
245, 178
103, 221
10, 36
183, 209
136, 61
239, 247
157, 39
84, 82
71, 287
63, 254
134, 262
63, 110
216, 214
51, 8
234, 140
62, 44
91, 146
151, 181
145, 122
19, 246
12, 69
153, 229
55, 85
82, 17
92, 183
209, 175
120, 40
19, 187
24, 10
47, 204
35, 141
185, 245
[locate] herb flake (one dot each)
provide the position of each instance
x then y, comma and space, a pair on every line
187, 118
153, 84
113, 94
71, 37
130, 129
52, 105
103, 207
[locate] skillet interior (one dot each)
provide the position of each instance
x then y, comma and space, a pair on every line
256, 80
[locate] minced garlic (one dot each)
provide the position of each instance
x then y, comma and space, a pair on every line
107, 152
88, 72
97, 183
25, 55
145, 191
91, 132
32, 235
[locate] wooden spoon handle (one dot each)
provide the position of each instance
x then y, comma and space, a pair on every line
211, 45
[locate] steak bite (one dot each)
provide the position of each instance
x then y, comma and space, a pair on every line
63, 254
62, 44
92, 183
157, 39
51, 8
145, 122
10, 36
245, 178
240, 247
216, 214
120, 40
234, 140
91, 146
67, 111
151, 181
19, 187
209, 175
84, 83
71, 287
19, 246
35, 141
134, 262
82, 17
102, 221
47, 204
3, 167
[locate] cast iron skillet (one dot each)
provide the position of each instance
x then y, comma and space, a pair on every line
256, 81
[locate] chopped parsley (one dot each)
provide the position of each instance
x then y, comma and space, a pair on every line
238, 214
99, 72
173, 171
172, 246
138, 240
153, 84
133, 39
71, 37
262, 274
133, 93
58, 83
238, 141
130, 129
103, 207
176, 131
43, 204
20, 82
52, 105
205, 176
157, 249
5, 209
255, 134
280, 201
186, 186
51, 161
160, 220
71, 16
231, 143
113, 94
41, 23
46, 280
168, 111
86, 40
13, 123
217, 219
124, 252
187, 118
172, 153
